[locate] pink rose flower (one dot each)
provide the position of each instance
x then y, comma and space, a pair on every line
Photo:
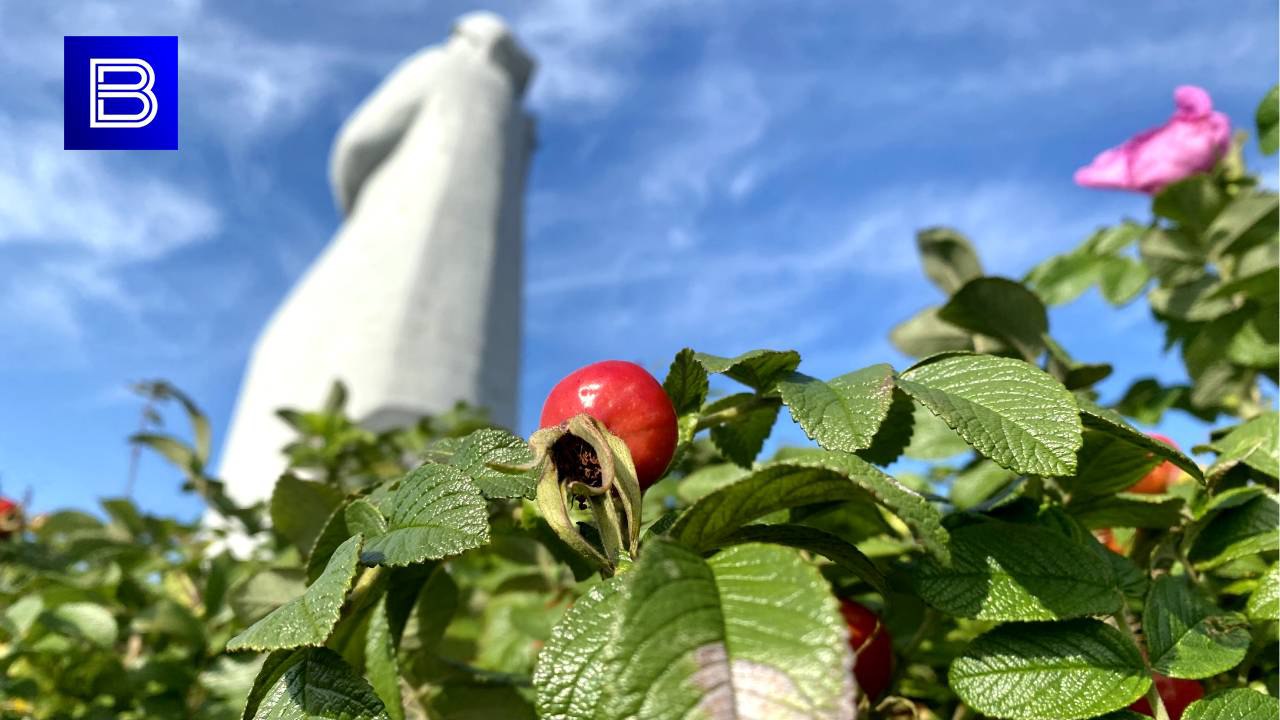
1191, 142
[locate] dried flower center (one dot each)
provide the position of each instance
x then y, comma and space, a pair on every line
576, 461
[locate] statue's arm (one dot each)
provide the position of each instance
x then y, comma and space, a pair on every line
375, 128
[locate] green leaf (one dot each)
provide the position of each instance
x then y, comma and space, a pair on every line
931, 438
306, 620
380, 662
758, 369
499, 463
741, 439
1003, 309
1267, 118
1134, 511
1050, 671
334, 533
1063, 278
570, 675
1113, 239
363, 518
1122, 279
686, 383
300, 508
85, 620
978, 483
1254, 443
896, 431
843, 413
816, 541
924, 519
926, 334
1235, 703
435, 513
948, 257
1109, 421
311, 684
705, 480
722, 653
266, 591
1107, 464
1187, 636
1003, 571
1245, 222
1008, 410
1174, 256
1264, 603
171, 448
1238, 532
805, 479
1193, 202
1195, 301
1146, 400
777, 487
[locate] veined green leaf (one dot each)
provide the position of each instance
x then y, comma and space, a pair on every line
499, 463
722, 651
1187, 636
1008, 410
1050, 671
308, 684
1003, 571
306, 620
570, 674
758, 369
1264, 603
1233, 704
436, 512
843, 413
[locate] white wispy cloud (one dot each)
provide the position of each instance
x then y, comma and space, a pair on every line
74, 219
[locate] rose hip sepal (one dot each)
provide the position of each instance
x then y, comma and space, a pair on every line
583, 464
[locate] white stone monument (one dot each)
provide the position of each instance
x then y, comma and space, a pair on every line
416, 302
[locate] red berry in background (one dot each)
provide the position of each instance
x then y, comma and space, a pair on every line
1161, 476
630, 402
1176, 695
872, 648
10, 517
1108, 539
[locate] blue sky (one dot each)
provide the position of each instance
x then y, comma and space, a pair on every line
715, 174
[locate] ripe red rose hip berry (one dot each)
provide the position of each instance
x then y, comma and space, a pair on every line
1175, 693
872, 648
630, 403
1161, 476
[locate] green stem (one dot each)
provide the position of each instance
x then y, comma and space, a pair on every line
1153, 695
729, 414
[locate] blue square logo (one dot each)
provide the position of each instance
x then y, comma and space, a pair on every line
120, 93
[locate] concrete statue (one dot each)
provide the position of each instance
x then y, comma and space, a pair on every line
416, 302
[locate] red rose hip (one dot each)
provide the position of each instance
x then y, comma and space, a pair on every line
1175, 693
1161, 476
630, 403
872, 648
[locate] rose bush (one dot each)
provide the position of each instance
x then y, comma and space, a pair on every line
454, 570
